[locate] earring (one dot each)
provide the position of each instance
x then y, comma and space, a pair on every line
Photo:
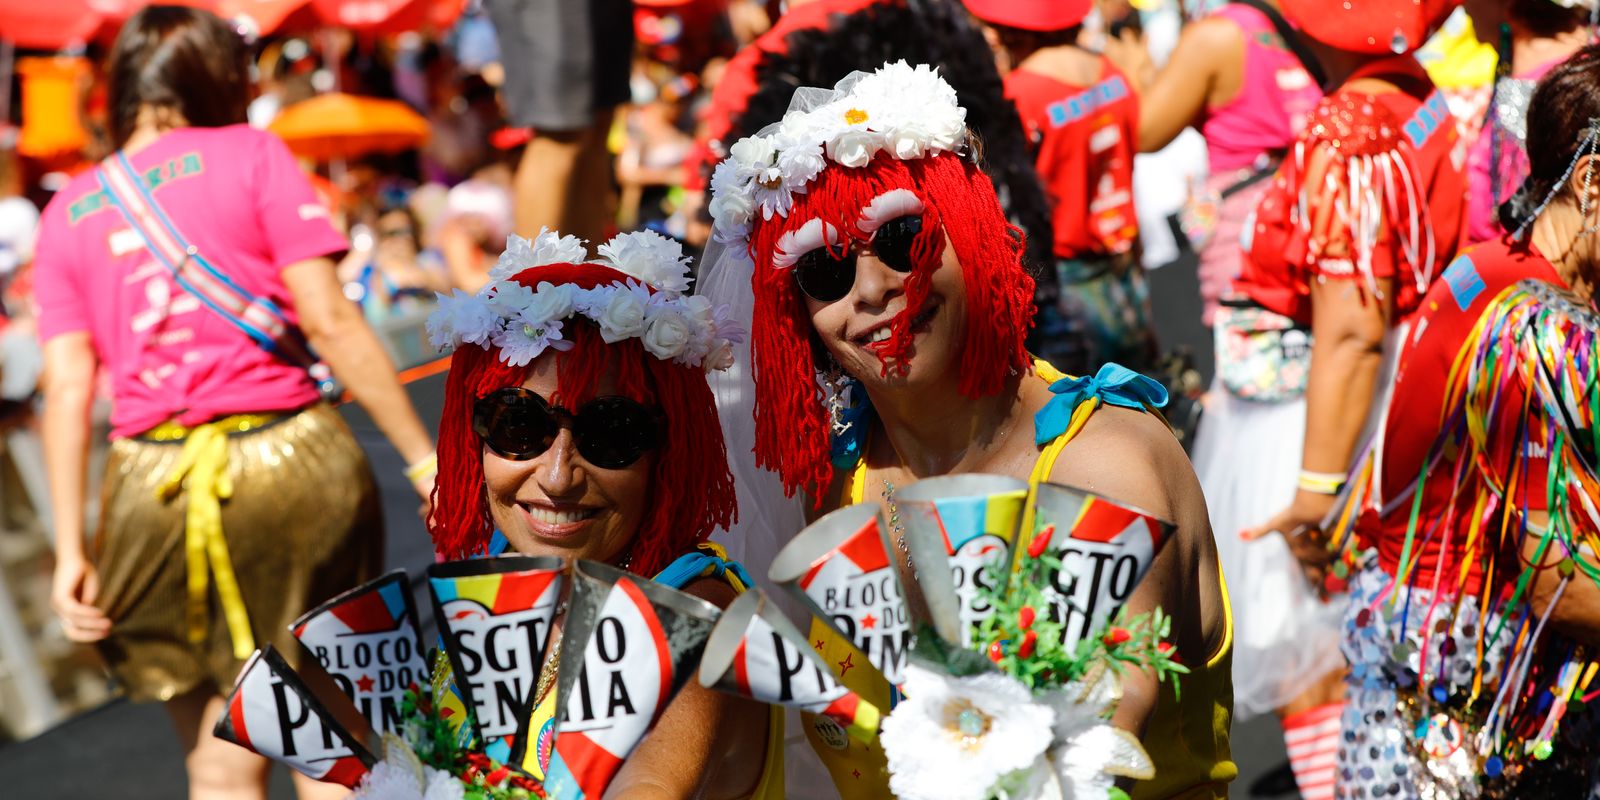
835, 386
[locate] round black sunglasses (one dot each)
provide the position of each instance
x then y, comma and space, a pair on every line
827, 273
610, 432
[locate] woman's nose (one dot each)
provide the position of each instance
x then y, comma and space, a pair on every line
557, 470
876, 282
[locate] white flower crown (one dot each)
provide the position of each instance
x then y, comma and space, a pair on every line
907, 112
523, 322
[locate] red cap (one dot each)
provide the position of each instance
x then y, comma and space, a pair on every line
1369, 26
1031, 15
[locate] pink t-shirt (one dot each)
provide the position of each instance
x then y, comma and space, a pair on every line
1273, 103
237, 195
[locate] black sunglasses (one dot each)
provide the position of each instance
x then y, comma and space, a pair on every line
610, 432
827, 273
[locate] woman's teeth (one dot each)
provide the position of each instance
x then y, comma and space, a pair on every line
553, 517
879, 335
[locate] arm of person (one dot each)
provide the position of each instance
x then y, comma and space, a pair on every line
1577, 613
1178, 94
705, 738
1349, 320
1131, 457
1347, 331
68, 383
336, 330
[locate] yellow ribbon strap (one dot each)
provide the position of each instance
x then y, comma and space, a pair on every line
202, 475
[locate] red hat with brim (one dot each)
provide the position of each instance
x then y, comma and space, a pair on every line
1369, 26
1031, 15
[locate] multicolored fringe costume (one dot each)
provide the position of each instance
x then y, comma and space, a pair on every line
1463, 691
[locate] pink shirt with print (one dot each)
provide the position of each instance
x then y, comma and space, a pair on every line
237, 195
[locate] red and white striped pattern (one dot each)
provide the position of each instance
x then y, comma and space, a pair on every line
1313, 741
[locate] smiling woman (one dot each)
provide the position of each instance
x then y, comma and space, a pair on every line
577, 422
878, 250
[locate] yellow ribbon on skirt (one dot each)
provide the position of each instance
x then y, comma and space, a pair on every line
202, 475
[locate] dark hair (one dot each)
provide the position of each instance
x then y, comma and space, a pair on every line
1545, 19
1562, 105
179, 59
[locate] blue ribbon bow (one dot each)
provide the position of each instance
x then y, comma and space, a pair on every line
702, 563
1113, 384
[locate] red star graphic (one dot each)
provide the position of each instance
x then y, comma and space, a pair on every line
856, 773
869, 622
846, 665
819, 645
365, 683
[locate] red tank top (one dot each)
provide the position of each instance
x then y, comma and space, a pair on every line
1444, 321
1085, 138
1389, 207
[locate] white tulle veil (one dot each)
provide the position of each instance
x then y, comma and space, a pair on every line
767, 517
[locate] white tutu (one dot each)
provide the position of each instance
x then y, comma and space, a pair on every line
1247, 455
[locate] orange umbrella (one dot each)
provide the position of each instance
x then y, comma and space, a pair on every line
339, 125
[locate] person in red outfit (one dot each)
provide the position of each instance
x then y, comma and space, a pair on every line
1362, 215
1082, 117
1479, 510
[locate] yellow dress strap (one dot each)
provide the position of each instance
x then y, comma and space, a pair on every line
201, 475
1046, 462
858, 483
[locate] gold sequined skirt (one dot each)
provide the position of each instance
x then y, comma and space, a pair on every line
303, 522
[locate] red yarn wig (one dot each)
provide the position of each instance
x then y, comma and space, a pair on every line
792, 433
690, 485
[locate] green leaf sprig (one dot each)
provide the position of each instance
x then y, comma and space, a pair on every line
1026, 644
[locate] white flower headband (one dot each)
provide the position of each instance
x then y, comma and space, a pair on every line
907, 112
524, 321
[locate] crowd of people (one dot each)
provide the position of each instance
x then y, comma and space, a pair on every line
913, 230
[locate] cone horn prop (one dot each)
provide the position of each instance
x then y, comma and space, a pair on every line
495, 616
959, 530
1105, 550
299, 718
840, 569
367, 640
756, 653
629, 645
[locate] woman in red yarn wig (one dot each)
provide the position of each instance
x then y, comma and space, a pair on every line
882, 266
577, 422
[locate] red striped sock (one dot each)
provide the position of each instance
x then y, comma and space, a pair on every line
1313, 741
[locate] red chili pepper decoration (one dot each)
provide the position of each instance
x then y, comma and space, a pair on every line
1165, 647
498, 776
1025, 618
1041, 540
1116, 636
996, 652
1029, 641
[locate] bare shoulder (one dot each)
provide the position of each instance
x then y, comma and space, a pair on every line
1131, 456
715, 591
1212, 33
